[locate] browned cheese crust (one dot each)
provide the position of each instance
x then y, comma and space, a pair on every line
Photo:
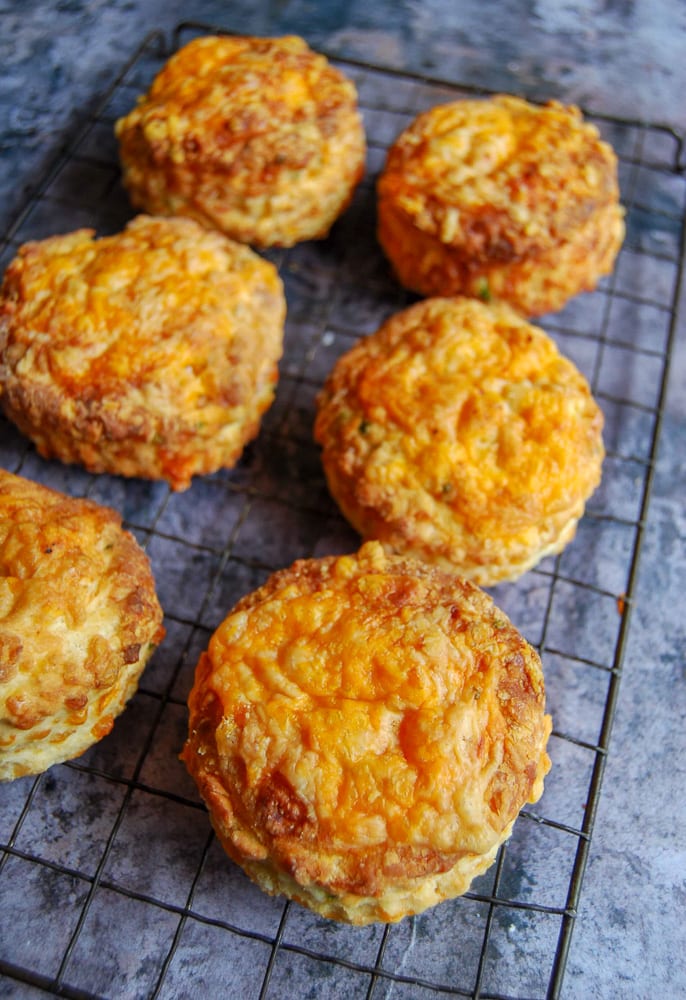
501, 199
364, 730
258, 137
79, 619
151, 353
458, 433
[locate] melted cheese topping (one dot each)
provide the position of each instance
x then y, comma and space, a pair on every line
499, 178
151, 352
363, 723
533, 285
259, 137
457, 431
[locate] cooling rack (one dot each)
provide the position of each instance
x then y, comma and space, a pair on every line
112, 882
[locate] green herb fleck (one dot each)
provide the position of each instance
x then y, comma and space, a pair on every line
483, 291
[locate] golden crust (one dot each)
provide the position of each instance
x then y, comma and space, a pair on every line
149, 353
457, 433
502, 199
364, 730
79, 619
258, 137
532, 285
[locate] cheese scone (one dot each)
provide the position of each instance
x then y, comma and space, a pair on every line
501, 199
79, 618
258, 137
150, 353
364, 730
457, 433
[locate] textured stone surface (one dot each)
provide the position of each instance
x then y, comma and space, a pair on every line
620, 59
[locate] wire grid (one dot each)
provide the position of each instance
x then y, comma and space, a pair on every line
112, 882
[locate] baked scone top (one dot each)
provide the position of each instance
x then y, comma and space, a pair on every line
249, 103
260, 137
165, 333
500, 178
78, 612
459, 430
364, 720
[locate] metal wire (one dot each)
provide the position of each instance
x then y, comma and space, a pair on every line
510, 936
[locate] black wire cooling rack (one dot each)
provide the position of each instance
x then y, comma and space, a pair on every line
112, 883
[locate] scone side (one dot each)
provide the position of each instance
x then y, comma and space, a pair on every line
533, 285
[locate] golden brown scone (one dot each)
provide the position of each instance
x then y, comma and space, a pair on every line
501, 199
79, 619
364, 730
149, 353
457, 433
258, 137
